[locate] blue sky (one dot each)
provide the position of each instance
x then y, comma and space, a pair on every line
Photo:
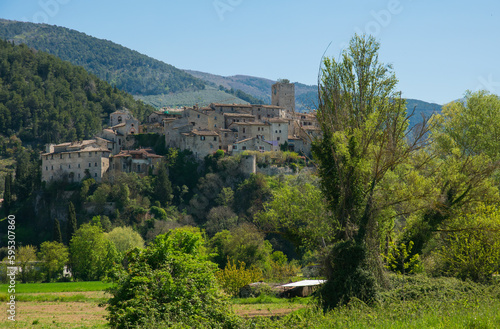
439, 49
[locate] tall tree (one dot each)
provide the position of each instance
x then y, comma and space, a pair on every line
57, 236
163, 187
7, 194
71, 224
365, 136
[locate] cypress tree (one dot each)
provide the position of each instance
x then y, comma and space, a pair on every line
163, 187
57, 231
72, 226
7, 194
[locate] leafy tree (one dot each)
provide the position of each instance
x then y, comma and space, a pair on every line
162, 186
125, 238
92, 255
71, 225
57, 236
365, 136
299, 213
170, 283
54, 255
235, 276
25, 257
465, 157
7, 194
471, 247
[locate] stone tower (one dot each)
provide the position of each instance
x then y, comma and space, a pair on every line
283, 94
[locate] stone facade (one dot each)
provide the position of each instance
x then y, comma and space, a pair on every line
259, 127
283, 95
140, 161
76, 160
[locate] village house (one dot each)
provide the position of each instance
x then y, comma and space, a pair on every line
229, 124
141, 161
76, 160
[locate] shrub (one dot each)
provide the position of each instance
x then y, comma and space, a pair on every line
170, 283
232, 278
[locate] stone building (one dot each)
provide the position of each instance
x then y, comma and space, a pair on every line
283, 95
76, 160
142, 162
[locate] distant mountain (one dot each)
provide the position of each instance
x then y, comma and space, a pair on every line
305, 95
127, 69
44, 99
153, 81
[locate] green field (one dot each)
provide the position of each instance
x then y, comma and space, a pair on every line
415, 302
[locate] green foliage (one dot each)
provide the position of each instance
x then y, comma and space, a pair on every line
54, 255
300, 214
92, 255
162, 186
348, 276
234, 277
57, 236
25, 259
125, 239
365, 137
7, 194
472, 245
243, 243
170, 283
126, 69
47, 100
71, 225
399, 259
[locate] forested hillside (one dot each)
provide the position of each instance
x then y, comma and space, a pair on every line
47, 100
122, 67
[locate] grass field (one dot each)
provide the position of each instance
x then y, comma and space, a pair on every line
413, 303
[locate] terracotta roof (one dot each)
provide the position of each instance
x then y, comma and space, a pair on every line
278, 120
268, 106
204, 132
245, 115
230, 105
144, 153
251, 123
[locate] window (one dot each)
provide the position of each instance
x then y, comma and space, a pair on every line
69, 155
95, 164
90, 164
244, 148
198, 116
78, 165
79, 155
95, 175
244, 130
46, 167
202, 138
78, 175
90, 154
95, 152
47, 157
278, 138
69, 166
52, 168
215, 138
215, 118
52, 157
60, 156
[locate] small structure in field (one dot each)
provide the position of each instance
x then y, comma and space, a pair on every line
302, 288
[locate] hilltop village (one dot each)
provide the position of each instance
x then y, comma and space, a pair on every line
233, 128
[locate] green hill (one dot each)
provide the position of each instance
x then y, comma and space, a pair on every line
44, 99
124, 68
